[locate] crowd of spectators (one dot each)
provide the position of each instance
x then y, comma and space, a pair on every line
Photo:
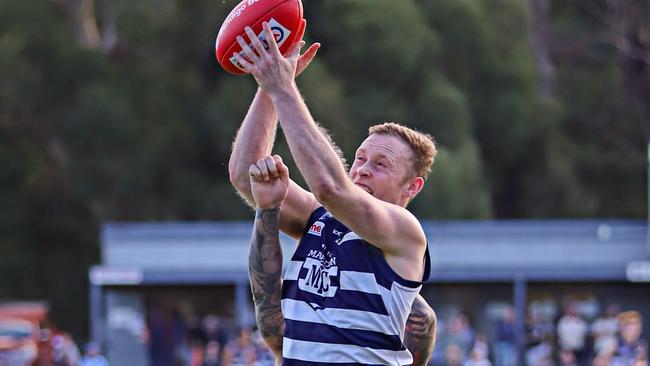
65, 352
612, 338
207, 341
568, 338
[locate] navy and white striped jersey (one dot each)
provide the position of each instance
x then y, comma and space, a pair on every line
341, 301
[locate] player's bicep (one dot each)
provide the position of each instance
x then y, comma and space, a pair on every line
385, 225
296, 209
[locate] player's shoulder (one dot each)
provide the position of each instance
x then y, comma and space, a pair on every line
409, 223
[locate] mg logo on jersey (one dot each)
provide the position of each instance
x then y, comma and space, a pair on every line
316, 228
319, 279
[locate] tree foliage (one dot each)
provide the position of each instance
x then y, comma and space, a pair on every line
137, 124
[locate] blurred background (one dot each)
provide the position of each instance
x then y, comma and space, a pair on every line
115, 130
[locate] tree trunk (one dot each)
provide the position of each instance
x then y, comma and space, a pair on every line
109, 31
539, 41
81, 14
634, 44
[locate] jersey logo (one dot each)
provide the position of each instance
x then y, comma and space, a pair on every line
316, 228
319, 278
349, 236
337, 233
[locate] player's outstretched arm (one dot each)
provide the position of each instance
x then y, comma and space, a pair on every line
254, 140
420, 334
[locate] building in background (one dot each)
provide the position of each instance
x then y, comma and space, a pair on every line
506, 283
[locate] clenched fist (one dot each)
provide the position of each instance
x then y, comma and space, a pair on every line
269, 179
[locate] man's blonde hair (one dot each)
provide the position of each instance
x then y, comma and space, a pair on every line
422, 145
627, 317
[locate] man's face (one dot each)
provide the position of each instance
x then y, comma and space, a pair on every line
380, 167
631, 331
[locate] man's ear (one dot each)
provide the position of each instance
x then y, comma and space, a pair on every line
414, 187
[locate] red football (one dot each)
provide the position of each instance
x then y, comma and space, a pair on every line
282, 15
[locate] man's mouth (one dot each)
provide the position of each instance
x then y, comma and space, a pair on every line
364, 187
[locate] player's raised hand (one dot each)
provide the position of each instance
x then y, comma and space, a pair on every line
269, 179
272, 71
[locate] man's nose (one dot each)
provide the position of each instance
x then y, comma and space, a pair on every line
364, 170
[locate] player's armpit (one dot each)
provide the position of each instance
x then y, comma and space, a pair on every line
296, 209
420, 333
264, 270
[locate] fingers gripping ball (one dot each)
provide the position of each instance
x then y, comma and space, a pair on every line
283, 16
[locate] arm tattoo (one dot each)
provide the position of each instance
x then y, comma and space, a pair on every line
420, 333
264, 271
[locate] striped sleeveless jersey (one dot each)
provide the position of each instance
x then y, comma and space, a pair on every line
341, 301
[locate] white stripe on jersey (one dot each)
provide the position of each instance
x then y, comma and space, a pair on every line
293, 270
398, 301
359, 281
340, 353
340, 318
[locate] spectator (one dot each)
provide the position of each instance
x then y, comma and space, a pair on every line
477, 359
64, 351
161, 342
604, 330
539, 337
572, 333
631, 350
212, 354
240, 351
196, 341
179, 338
601, 360
505, 350
92, 356
453, 355
567, 358
214, 330
461, 334
540, 354
479, 353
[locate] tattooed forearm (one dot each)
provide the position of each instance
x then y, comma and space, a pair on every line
264, 271
420, 331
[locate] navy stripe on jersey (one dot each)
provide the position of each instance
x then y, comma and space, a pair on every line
322, 333
352, 300
427, 264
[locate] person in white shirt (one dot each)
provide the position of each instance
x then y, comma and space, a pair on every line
572, 332
604, 330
